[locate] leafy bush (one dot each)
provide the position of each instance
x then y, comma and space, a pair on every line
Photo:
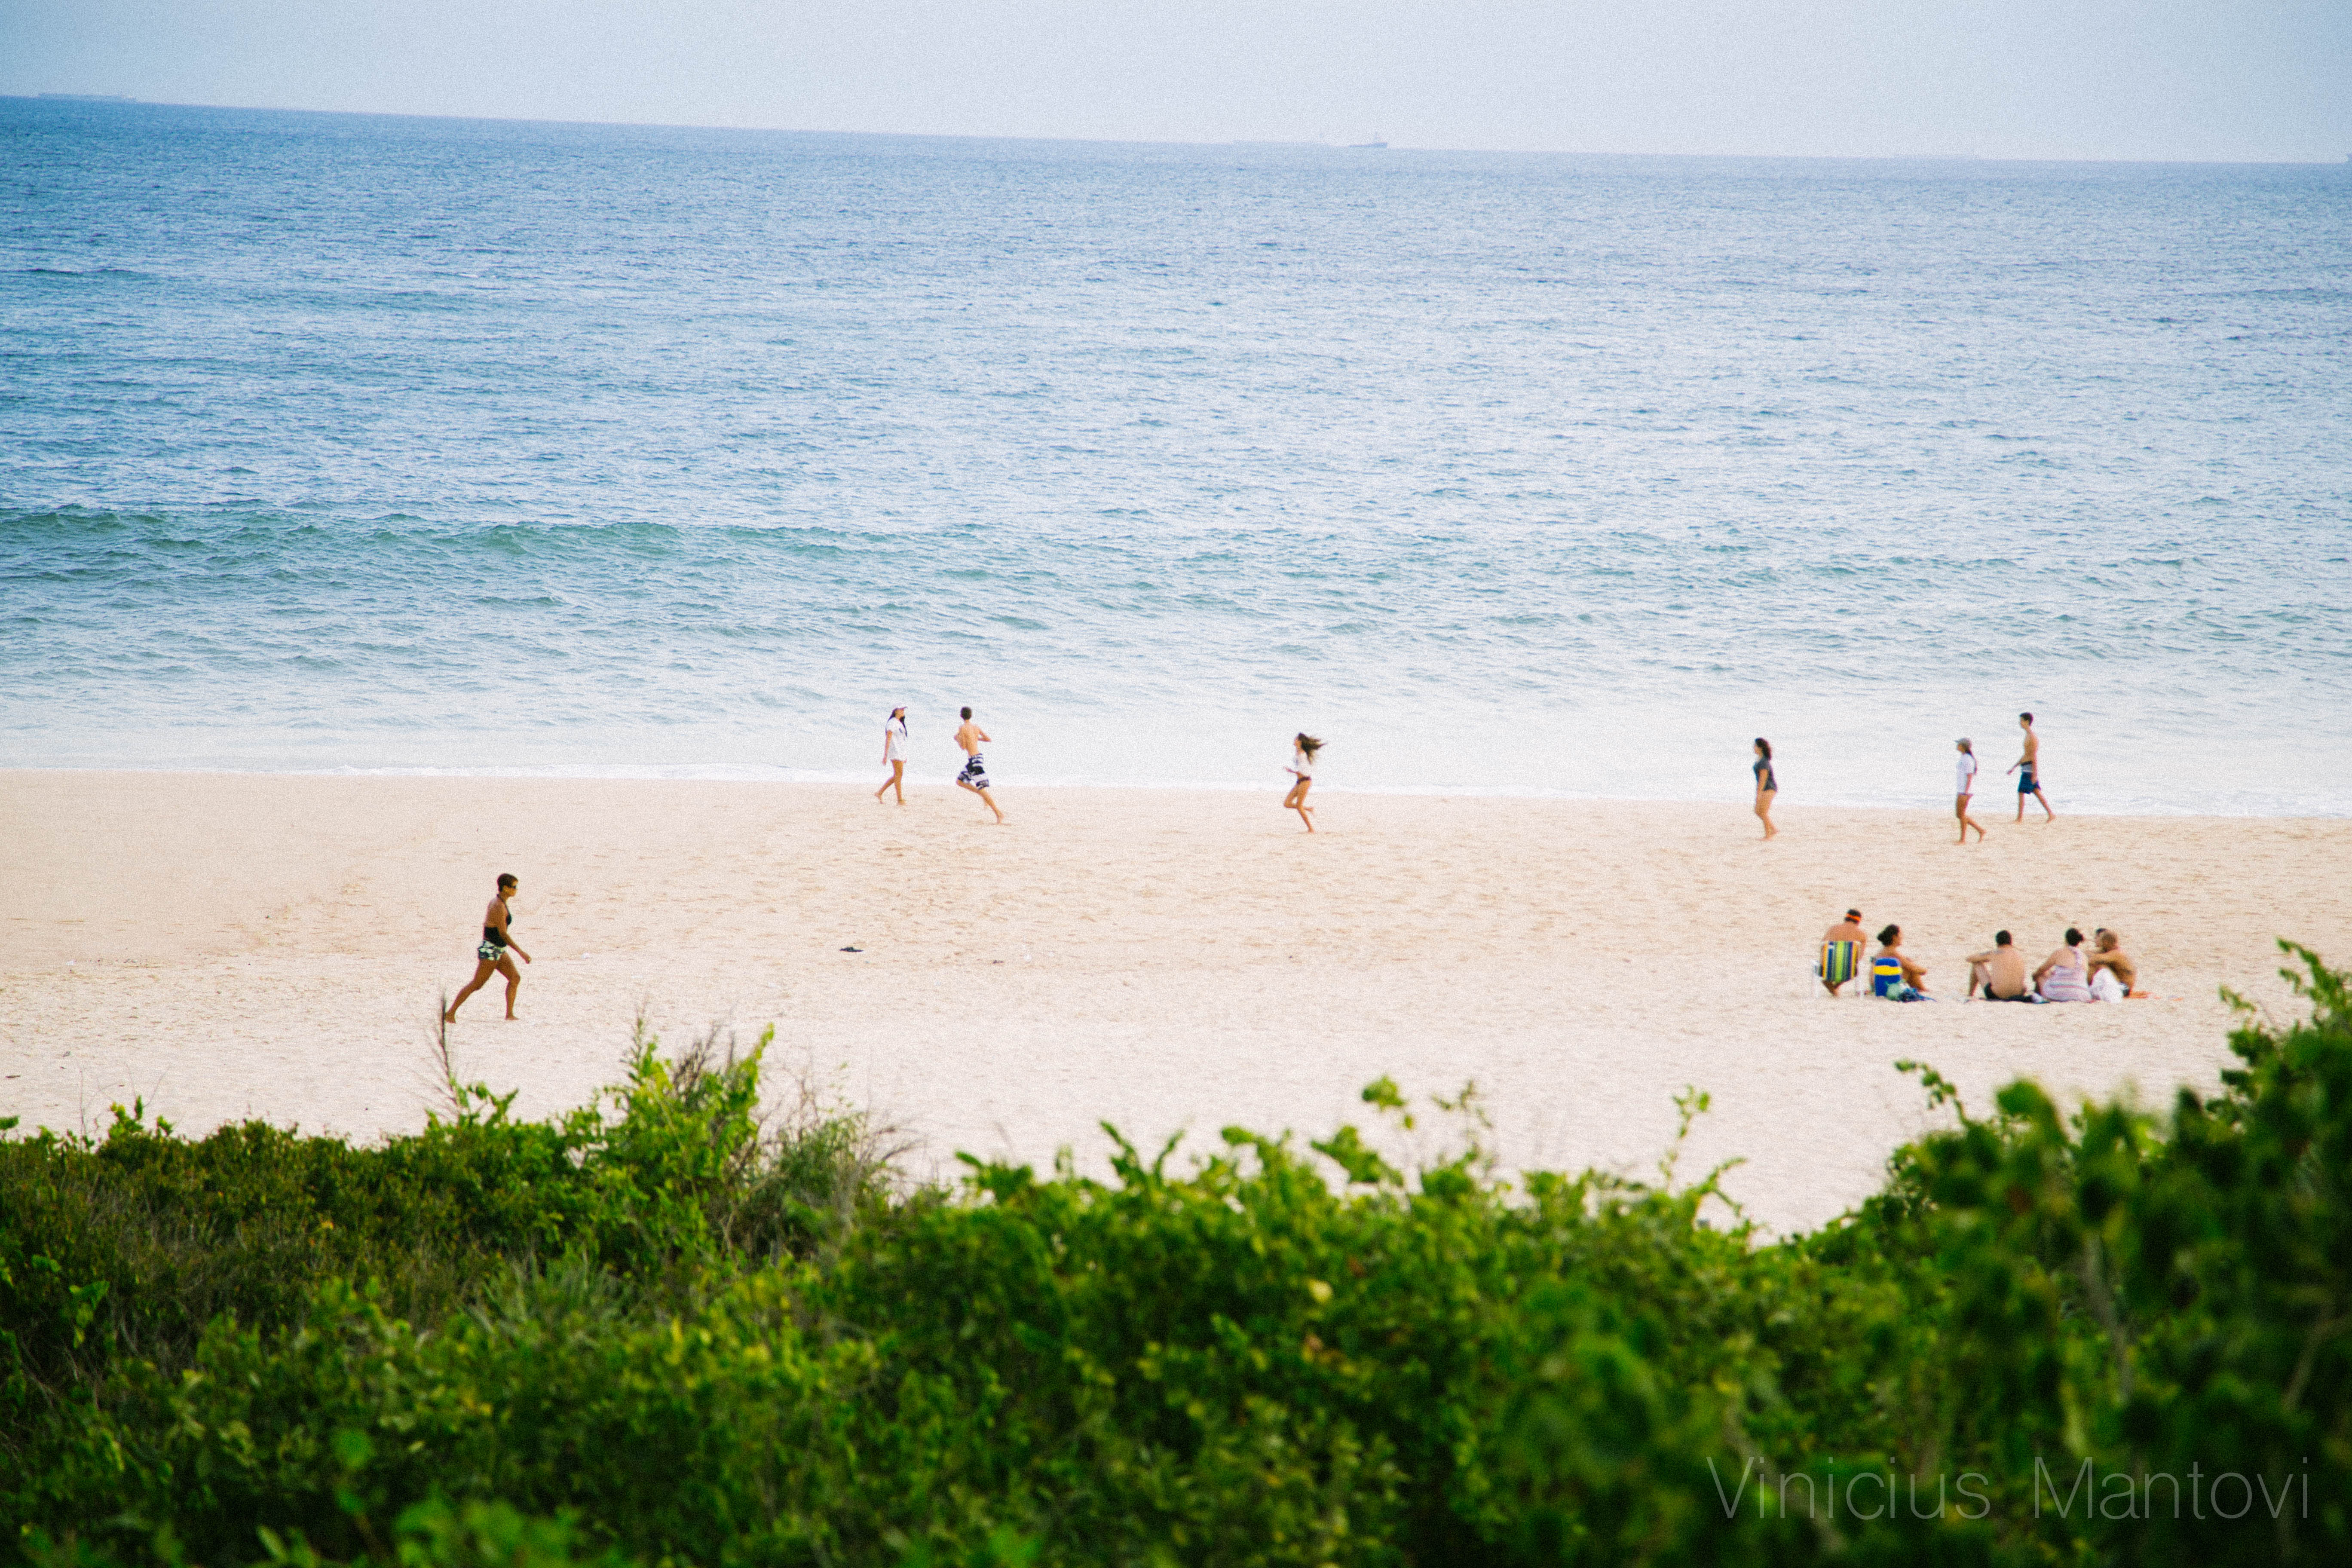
659, 1331
125, 1247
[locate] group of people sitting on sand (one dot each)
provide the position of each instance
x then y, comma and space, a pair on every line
2104, 974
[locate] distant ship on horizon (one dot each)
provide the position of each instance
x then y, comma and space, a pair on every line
1375, 144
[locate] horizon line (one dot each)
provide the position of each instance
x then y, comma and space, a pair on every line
1229, 141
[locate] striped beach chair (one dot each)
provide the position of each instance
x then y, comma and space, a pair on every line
1838, 964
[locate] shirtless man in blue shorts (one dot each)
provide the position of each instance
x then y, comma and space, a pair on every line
2028, 769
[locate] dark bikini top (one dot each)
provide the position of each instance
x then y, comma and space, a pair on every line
492, 935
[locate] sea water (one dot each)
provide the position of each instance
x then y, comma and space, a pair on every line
337, 442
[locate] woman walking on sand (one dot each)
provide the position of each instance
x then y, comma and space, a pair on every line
894, 754
1967, 783
1303, 747
1767, 786
498, 940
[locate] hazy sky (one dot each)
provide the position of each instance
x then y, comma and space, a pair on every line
2044, 79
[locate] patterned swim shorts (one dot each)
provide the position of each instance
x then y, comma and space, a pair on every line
489, 952
975, 773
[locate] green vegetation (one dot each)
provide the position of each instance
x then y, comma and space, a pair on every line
663, 1330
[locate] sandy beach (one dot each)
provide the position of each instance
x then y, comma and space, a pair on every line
226, 946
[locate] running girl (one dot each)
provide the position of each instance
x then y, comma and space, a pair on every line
1303, 747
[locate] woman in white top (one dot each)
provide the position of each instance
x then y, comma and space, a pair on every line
894, 754
1967, 782
1303, 747
2064, 976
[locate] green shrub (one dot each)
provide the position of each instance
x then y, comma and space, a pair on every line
660, 1332
125, 1247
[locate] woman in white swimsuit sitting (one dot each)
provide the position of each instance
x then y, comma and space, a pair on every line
2064, 976
894, 754
1303, 747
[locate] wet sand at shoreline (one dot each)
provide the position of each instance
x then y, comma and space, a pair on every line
233, 945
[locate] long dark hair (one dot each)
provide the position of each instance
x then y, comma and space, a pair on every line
1764, 746
1308, 744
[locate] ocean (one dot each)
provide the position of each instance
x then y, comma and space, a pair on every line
354, 443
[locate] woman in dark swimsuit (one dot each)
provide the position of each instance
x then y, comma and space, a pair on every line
492, 956
1767, 786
